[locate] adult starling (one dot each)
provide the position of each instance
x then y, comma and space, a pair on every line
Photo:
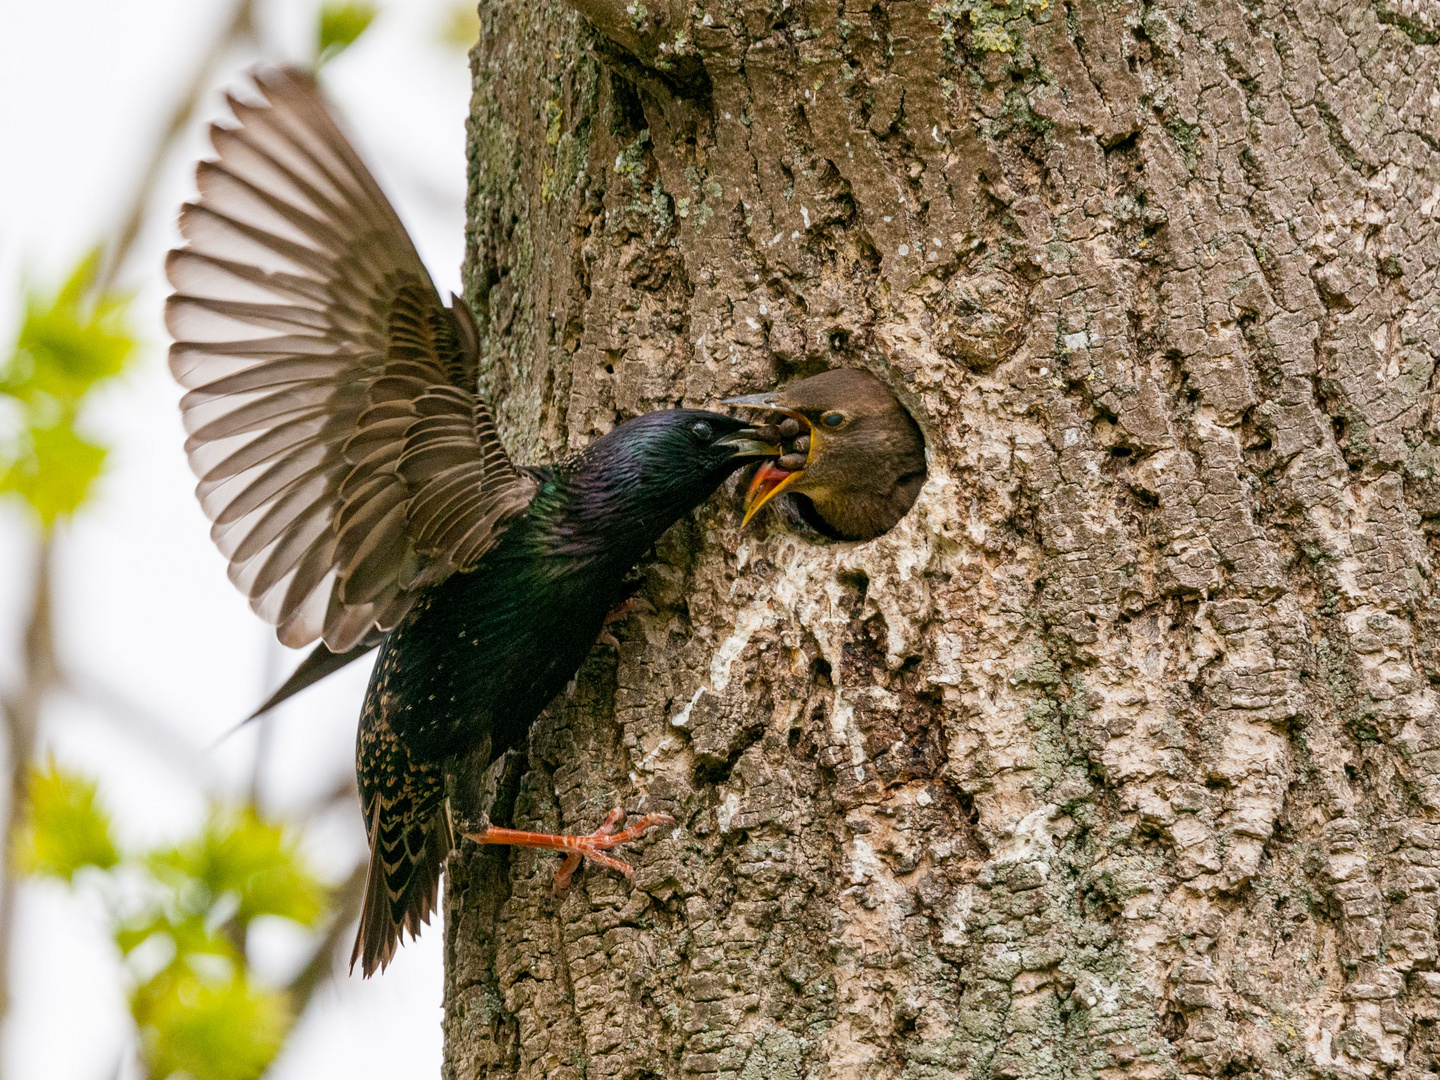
358, 487
854, 454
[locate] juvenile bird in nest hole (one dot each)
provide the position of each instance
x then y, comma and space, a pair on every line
360, 492
854, 457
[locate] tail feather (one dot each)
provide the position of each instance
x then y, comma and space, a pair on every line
402, 885
319, 663
408, 826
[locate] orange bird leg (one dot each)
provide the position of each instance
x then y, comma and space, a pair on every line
592, 846
618, 612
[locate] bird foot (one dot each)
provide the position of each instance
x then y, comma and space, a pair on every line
629, 606
618, 612
576, 848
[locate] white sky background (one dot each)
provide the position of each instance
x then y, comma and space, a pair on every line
143, 605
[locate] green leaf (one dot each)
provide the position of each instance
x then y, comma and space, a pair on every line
54, 471
189, 934
64, 828
70, 341
254, 860
340, 26
461, 28
198, 1013
206, 1030
68, 344
131, 935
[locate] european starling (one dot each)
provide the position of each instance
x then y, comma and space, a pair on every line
852, 452
359, 490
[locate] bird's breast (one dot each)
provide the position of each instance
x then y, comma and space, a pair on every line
484, 652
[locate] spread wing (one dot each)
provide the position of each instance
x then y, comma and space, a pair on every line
345, 456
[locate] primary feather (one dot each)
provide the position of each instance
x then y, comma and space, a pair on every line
358, 488
343, 452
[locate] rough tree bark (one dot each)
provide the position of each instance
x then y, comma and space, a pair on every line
1120, 755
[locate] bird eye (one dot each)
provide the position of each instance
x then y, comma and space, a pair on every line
833, 419
701, 430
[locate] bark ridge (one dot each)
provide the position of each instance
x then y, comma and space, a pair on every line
1120, 755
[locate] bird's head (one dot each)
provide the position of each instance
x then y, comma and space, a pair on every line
851, 449
686, 450
656, 468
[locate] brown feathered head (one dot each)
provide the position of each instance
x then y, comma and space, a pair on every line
854, 453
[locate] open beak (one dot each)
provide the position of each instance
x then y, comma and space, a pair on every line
747, 442
769, 480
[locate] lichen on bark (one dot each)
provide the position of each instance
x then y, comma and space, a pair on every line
1120, 755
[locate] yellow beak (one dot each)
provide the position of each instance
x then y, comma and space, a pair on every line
764, 486
769, 481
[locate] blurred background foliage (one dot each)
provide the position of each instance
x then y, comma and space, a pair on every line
68, 343
180, 916
461, 28
340, 25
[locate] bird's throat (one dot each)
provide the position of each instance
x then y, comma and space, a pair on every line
767, 483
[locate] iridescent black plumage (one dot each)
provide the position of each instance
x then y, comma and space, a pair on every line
358, 488
479, 655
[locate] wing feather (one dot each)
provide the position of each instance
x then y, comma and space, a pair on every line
265, 488
343, 452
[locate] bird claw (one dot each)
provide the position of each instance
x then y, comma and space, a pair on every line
629, 606
576, 848
601, 840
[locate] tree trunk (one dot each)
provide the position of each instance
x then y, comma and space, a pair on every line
1120, 755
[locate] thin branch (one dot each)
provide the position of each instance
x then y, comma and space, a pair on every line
342, 792
239, 27
42, 670
22, 723
265, 736
321, 966
141, 724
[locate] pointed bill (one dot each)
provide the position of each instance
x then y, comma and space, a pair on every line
756, 401
747, 443
767, 482
769, 401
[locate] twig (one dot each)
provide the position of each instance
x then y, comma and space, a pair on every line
342, 792
42, 672
22, 721
141, 724
240, 27
265, 735
321, 966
